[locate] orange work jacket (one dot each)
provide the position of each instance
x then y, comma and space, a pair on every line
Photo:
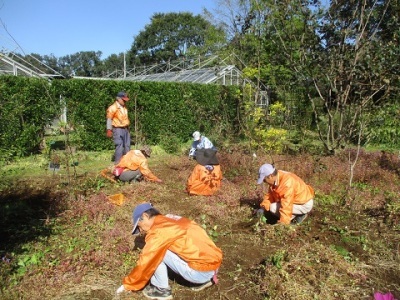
118, 114
204, 182
179, 235
134, 160
288, 189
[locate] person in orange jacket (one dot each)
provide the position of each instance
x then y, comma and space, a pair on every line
288, 196
175, 243
206, 176
134, 166
118, 126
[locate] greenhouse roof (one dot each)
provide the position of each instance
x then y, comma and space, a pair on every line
228, 75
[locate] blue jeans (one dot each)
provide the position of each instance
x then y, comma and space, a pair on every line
179, 266
122, 141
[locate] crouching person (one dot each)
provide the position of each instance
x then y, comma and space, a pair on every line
206, 176
175, 243
288, 196
133, 166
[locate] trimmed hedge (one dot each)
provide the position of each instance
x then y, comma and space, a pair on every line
27, 105
158, 111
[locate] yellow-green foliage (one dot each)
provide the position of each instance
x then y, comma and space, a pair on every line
263, 129
277, 111
271, 139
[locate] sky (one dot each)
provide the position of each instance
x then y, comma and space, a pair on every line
63, 27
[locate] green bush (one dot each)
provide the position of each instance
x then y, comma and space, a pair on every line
27, 106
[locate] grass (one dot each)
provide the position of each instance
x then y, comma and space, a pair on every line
60, 232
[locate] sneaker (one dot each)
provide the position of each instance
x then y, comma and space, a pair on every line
202, 286
153, 292
298, 219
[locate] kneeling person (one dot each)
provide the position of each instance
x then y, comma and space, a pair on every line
135, 167
206, 176
172, 242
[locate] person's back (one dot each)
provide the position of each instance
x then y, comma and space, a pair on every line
132, 160
302, 192
174, 244
204, 180
206, 176
200, 142
137, 160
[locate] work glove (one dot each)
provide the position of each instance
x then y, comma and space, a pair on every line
259, 212
109, 133
121, 289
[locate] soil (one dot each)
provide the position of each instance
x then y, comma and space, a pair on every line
348, 248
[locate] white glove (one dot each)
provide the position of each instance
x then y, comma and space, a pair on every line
121, 289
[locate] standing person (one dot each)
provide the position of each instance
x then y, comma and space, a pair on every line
206, 176
172, 242
288, 196
118, 126
200, 142
134, 166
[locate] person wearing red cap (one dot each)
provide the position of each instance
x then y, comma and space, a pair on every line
118, 126
288, 196
175, 243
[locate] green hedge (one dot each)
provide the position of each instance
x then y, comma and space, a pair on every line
159, 112
156, 109
27, 105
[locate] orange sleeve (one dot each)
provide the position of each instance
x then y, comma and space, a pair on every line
152, 255
287, 201
144, 169
266, 203
111, 111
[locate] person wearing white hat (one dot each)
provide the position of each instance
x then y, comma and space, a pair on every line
175, 243
200, 142
288, 196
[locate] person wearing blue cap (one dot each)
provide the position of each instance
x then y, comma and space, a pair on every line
118, 126
175, 243
288, 196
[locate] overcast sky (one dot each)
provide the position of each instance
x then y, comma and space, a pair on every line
62, 27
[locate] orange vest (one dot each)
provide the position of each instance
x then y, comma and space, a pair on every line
134, 160
183, 237
118, 114
204, 182
289, 189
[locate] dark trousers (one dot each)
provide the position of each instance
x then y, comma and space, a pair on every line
122, 141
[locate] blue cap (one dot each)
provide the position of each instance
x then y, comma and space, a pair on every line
123, 96
137, 213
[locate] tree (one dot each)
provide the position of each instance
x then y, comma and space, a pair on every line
168, 37
84, 63
338, 55
114, 65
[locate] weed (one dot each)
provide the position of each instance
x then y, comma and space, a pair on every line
211, 230
342, 251
277, 258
